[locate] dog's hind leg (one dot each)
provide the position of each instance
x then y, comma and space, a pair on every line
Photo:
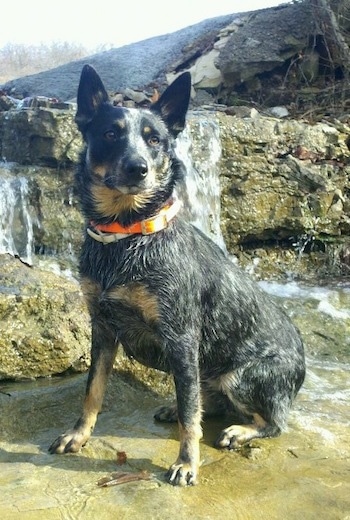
103, 352
263, 393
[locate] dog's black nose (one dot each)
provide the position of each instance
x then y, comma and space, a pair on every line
136, 168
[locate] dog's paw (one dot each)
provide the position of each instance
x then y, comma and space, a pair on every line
226, 441
234, 436
166, 414
71, 441
182, 474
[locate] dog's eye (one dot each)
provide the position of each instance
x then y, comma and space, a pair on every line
153, 140
110, 135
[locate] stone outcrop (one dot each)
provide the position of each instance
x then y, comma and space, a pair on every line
283, 178
139, 65
39, 136
263, 41
283, 182
44, 327
285, 194
285, 55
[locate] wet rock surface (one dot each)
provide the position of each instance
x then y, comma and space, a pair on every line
39, 211
45, 136
304, 473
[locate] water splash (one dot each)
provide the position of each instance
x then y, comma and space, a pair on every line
201, 192
329, 299
16, 225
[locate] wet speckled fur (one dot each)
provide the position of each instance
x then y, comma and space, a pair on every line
172, 299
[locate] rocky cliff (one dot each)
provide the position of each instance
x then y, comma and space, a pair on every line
284, 183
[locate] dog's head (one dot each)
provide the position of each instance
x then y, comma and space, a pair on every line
129, 152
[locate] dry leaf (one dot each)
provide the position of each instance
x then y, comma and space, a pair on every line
121, 457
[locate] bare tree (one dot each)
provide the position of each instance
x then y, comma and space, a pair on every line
18, 60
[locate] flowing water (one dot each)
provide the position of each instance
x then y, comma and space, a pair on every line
16, 224
303, 474
201, 191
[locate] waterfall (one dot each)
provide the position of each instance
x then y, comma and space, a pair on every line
200, 150
16, 225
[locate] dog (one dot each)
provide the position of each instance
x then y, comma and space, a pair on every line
163, 290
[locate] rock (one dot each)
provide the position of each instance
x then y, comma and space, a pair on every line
7, 102
265, 41
45, 217
242, 111
44, 325
264, 58
309, 66
39, 136
279, 112
204, 72
270, 195
134, 66
134, 95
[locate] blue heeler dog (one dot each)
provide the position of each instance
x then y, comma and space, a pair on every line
165, 292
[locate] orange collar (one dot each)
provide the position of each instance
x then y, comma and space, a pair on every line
107, 233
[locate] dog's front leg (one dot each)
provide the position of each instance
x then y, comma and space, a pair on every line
103, 352
186, 376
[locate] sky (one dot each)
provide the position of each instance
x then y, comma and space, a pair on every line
92, 24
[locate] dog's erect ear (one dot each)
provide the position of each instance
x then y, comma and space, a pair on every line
91, 94
173, 103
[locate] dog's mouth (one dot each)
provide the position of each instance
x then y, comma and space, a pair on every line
130, 190
113, 183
